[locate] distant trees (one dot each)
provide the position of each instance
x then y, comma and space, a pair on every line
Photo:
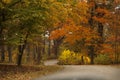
21, 22
78, 25
91, 32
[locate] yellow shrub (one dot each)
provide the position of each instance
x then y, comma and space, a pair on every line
70, 57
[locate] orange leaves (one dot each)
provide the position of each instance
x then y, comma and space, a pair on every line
91, 4
106, 48
74, 33
79, 13
113, 38
116, 1
103, 12
57, 34
101, 15
100, 10
101, 20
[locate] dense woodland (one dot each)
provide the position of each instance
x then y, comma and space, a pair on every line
32, 31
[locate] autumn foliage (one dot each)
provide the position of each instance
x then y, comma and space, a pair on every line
88, 27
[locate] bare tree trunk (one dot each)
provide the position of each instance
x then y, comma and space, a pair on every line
91, 54
34, 53
39, 57
3, 16
9, 49
21, 49
2, 53
20, 55
56, 46
91, 50
44, 44
49, 48
28, 53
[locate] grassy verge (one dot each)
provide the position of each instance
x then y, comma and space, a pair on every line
13, 72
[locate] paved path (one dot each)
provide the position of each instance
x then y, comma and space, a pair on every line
51, 62
85, 72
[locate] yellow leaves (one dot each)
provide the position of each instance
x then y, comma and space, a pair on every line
70, 57
6, 1
80, 12
82, 7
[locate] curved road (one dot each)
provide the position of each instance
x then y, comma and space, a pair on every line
85, 72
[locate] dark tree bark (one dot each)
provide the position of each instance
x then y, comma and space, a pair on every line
21, 49
2, 15
49, 47
100, 29
56, 48
34, 53
91, 50
9, 49
20, 55
82, 59
28, 53
2, 53
91, 53
56, 45
44, 44
39, 57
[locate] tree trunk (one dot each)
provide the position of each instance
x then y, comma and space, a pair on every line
28, 53
21, 49
100, 29
1, 36
20, 55
82, 59
44, 45
39, 55
49, 48
34, 53
56, 46
91, 54
9, 48
2, 53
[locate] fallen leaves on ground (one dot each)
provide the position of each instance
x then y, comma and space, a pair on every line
13, 72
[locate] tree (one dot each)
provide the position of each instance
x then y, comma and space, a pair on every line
5, 16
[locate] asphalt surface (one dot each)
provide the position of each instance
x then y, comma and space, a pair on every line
84, 72
51, 62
